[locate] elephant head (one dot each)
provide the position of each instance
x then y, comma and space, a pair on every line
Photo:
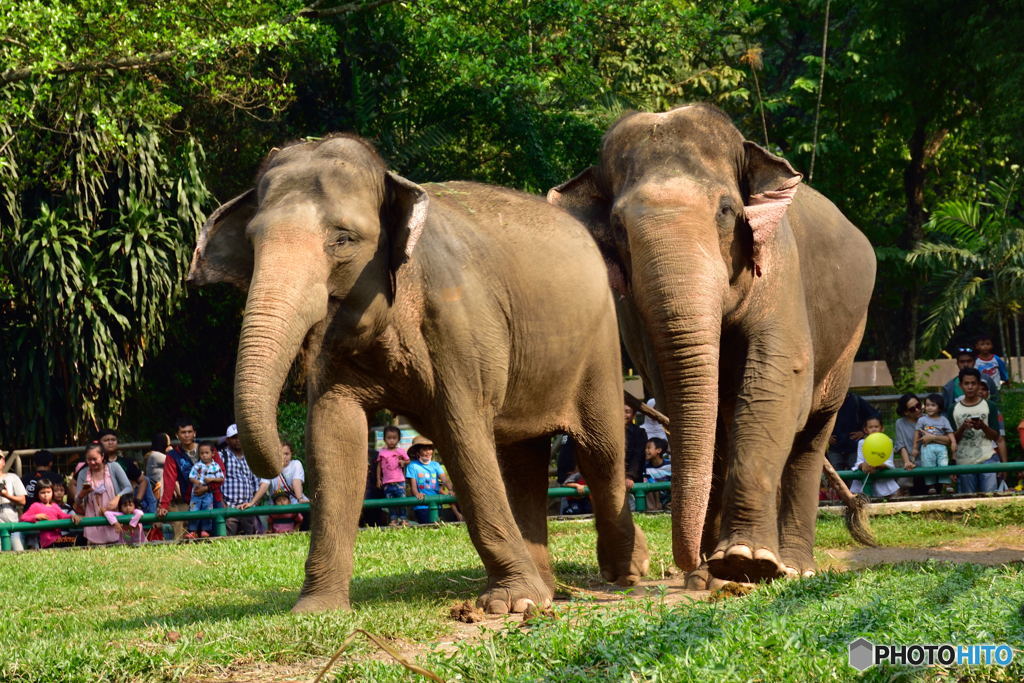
686, 211
318, 242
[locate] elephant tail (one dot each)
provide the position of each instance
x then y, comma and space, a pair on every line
856, 513
856, 516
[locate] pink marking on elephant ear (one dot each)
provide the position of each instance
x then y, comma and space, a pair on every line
417, 219
764, 213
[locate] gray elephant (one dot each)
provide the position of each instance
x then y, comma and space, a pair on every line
743, 299
481, 314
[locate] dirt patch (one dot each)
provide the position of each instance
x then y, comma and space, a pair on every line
996, 548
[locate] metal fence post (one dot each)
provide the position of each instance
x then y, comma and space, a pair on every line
5, 539
220, 523
639, 499
433, 511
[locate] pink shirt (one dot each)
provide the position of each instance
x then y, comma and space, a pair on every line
52, 512
391, 460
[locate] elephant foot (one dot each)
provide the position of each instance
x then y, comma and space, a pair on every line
795, 573
625, 568
700, 579
738, 562
321, 603
797, 564
515, 595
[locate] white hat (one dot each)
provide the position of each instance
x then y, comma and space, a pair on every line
232, 431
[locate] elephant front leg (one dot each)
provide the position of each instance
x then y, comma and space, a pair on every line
773, 401
336, 454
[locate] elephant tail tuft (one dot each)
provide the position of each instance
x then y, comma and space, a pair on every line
857, 522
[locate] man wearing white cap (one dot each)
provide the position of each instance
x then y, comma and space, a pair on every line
240, 484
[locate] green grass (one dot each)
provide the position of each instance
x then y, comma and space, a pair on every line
106, 613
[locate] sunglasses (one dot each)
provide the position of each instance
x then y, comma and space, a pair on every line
965, 349
915, 408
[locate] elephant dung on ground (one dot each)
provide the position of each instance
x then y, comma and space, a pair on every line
743, 299
481, 314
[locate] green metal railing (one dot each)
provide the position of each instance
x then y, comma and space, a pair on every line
435, 503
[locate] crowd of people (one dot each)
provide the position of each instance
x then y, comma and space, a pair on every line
961, 424
187, 475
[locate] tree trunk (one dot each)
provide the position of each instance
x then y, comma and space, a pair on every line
898, 341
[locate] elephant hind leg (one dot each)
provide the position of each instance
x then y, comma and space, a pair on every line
621, 546
514, 582
524, 467
798, 506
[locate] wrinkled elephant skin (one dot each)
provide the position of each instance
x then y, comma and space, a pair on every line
743, 296
481, 314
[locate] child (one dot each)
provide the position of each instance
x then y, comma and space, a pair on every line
134, 534
659, 468
68, 537
883, 488
989, 364
391, 462
286, 521
934, 441
45, 509
581, 504
202, 475
425, 475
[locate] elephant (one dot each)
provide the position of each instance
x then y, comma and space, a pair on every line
481, 314
743, 296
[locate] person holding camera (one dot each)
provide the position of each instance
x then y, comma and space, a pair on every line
977, 432
12, 495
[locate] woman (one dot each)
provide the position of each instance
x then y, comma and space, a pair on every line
143, 492
908, 407
100, 487
291, 479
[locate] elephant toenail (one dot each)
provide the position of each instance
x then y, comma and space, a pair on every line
809, 573
522, 604
743, 551
765, 555
497, 607
717, 556
791, 572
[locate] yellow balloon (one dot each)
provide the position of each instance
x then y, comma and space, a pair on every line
877, 448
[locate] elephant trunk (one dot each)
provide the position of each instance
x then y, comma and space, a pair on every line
684, 298
282, 306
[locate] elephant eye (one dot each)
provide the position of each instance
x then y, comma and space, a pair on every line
342, 238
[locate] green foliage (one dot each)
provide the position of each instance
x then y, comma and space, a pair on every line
119, 120
975, 257
104, 187
909, 380
291, 425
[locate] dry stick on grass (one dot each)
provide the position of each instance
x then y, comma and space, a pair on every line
383, 646
856, 515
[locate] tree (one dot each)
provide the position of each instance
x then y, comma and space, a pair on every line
101, 157
915, 108
975, 257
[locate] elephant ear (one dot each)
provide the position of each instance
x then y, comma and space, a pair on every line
771, 183
403, 216
583, 198
223, 252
